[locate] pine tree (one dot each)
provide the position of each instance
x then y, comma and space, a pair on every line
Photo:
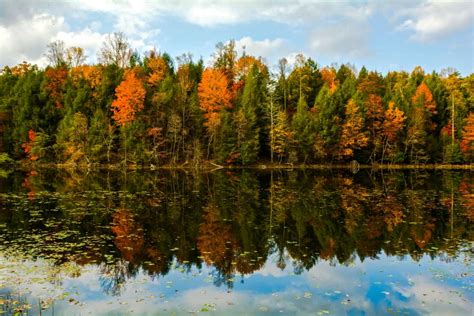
248, 129
303, 130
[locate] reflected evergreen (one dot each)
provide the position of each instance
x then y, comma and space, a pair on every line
231, 221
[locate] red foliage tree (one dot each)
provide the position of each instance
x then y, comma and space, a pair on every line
28, 146
467, 143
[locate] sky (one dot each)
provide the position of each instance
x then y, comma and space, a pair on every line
381, 35
429, 286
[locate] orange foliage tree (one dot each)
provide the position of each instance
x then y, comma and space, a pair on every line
375, 115
424, 97
245, 64
394, 121
91, 74
214, 96
329, 76
216, 242
55, 82
129, 237
21, 69
129, 98
158, 68
28, 146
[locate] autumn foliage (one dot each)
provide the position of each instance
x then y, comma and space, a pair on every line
245, 64
128, 234
215, 241
329, 76
394, 120
424, 97
28, 146
158, 68
235, 111
213, 96
130, 95
353, 137
467, 144
55, 82
91, 74
21, 69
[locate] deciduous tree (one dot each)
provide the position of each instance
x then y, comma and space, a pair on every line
393, 124
467, 144
374, 121
116, 50
214, 96
353, 136
129, 97
55, 79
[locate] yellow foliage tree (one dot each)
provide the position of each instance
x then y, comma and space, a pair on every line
353, 137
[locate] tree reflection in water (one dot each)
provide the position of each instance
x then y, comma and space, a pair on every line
232, 221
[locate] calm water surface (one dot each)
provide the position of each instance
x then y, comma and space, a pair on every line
237, 242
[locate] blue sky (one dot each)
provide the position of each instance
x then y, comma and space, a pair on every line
382, 35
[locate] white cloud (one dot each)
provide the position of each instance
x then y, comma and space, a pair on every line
431, 298
432, 20
266, 48
26, 39
344, 39
27, 28
219, 12
211, 15
337, 29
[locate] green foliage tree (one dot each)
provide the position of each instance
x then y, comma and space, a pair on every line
303, 130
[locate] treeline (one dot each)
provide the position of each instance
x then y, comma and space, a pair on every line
153, 110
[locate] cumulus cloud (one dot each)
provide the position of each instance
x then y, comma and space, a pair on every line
266, 48
432, 20
26, 28
218, 12
344, 39
26, 39
433, 298
337, 29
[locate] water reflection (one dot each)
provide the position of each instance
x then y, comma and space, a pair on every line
230, 225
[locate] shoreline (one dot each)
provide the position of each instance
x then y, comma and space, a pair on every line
209, 166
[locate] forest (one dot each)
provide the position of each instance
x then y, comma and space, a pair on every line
153, 110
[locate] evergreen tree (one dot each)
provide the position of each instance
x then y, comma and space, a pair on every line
247, 127
303, 130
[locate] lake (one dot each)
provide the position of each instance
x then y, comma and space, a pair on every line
235, 242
